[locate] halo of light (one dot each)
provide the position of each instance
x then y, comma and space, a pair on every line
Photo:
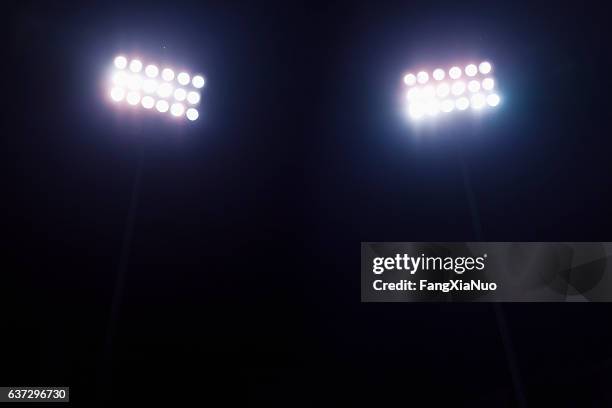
152, 71
198, 81
493, 100
133, 97
458, 88
478, 101
462, 103
193, 97
416, 110
447, 105
454, 72
192, 114
484, 67
488, 84
438, 74
443, 90
120, 62
422, 77
135, 65
177, 109
474, 86
162, 106
149, 85
471, 70
180, 94
183, 78
164, 90
117, 94
134, 82
167, 74
148, 102
413, 94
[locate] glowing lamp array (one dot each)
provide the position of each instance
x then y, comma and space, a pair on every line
455, 89
152, 87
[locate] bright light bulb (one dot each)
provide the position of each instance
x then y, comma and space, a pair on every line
478, 101
183, 78
148, 102
193, 97
120, 62
488, 84
471, 70
117, 94
474, 86
177, 109
422, 77
432, 107
462, 103
180, 94
458, 88
443, 90
438, 74
484, 67
493, 100
198, 81
192, 114
162, 106
135, 65
454, 72
151, 71
133, 98
167, 74
164, 90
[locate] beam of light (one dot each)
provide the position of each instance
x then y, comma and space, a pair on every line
433, 93
135, 83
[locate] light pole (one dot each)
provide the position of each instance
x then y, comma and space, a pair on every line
145, 89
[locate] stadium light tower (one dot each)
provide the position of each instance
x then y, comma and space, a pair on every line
454, 90
154, 88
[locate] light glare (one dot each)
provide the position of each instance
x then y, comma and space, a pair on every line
164, 90
438, 74
193, 97
471, 70
180, 94
148, 102
462, 103
493, 100
198, 81
478, 101
410, 79
162, 106
458, 88
117, 94
177, 109
474, 86
443, 90
133, 98
422, 77
120, 62
192, 114
488, 84
484, 67
151, 71
454, 72
167, 74
183, 78
135, 65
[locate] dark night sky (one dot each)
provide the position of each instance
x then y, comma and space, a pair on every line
243, 273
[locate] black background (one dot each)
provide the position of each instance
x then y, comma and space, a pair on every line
243, 273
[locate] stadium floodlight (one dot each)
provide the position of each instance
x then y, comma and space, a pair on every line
134, 83
457, 89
